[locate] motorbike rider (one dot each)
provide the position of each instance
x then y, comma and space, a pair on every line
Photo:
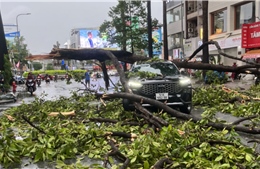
31, 76
56, 77
38, 76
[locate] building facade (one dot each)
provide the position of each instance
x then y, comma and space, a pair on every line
225, 21
175, 28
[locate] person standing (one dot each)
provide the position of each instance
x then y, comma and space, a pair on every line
90, 43
62, 64
87, 79
14, 87
233, 75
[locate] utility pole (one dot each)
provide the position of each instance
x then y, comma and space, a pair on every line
165, 38
18, 40
182, 32
3, 46
205, 51
149, 29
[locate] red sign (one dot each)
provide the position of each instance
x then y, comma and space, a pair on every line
251, 35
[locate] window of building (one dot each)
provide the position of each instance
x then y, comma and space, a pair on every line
174, 15
174, 41
219, 21
177, 14
244, 13
170, 16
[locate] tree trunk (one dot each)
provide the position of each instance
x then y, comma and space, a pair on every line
165, 38
205, 51
3, 47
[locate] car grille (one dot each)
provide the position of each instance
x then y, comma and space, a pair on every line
150, 89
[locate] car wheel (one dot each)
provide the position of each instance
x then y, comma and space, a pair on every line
186, 109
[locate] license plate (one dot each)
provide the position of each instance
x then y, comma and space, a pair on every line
161, 96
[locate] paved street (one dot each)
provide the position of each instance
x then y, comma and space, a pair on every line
60, 88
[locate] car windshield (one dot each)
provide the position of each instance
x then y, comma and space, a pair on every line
163, 69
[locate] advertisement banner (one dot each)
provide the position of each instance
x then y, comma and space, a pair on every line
157, 39
91, 39
11, 33
251, 35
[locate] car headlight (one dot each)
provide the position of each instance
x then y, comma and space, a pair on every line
134, 84
185, 81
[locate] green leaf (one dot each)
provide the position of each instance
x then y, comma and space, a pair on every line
226, 165
224, 132
156, 144
146, 165
133, 159
90, 155
219, 158
147, 149
248, 157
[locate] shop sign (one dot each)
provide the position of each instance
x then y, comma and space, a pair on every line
251, 35
227, 43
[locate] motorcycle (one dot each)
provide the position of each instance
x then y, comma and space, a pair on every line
38, 81
67, 77
47, 79
30, 86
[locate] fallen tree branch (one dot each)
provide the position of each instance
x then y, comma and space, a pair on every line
244, 119
71, 113
121, 134
150, 118
31, 124
177, 114
220, 52
118, 154
160, 164
248, 69
254, 141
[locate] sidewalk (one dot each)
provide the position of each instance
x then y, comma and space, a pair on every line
243, 84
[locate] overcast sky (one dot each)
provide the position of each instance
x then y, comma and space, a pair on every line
51, 21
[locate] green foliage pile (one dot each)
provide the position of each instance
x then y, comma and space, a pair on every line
189, 145
214, 99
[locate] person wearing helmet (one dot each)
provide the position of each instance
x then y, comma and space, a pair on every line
31, 76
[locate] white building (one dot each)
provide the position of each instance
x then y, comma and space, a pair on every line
225, 19
225, 23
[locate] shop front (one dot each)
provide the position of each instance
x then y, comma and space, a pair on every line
230, 46
251, 41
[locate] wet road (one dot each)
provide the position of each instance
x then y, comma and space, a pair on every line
55, 90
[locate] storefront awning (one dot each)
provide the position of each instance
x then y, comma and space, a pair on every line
252, 54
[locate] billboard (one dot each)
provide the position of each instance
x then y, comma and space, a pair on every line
251, 35
91, 39
157, 39
11, 32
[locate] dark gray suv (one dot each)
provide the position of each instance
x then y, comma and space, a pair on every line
166, 84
